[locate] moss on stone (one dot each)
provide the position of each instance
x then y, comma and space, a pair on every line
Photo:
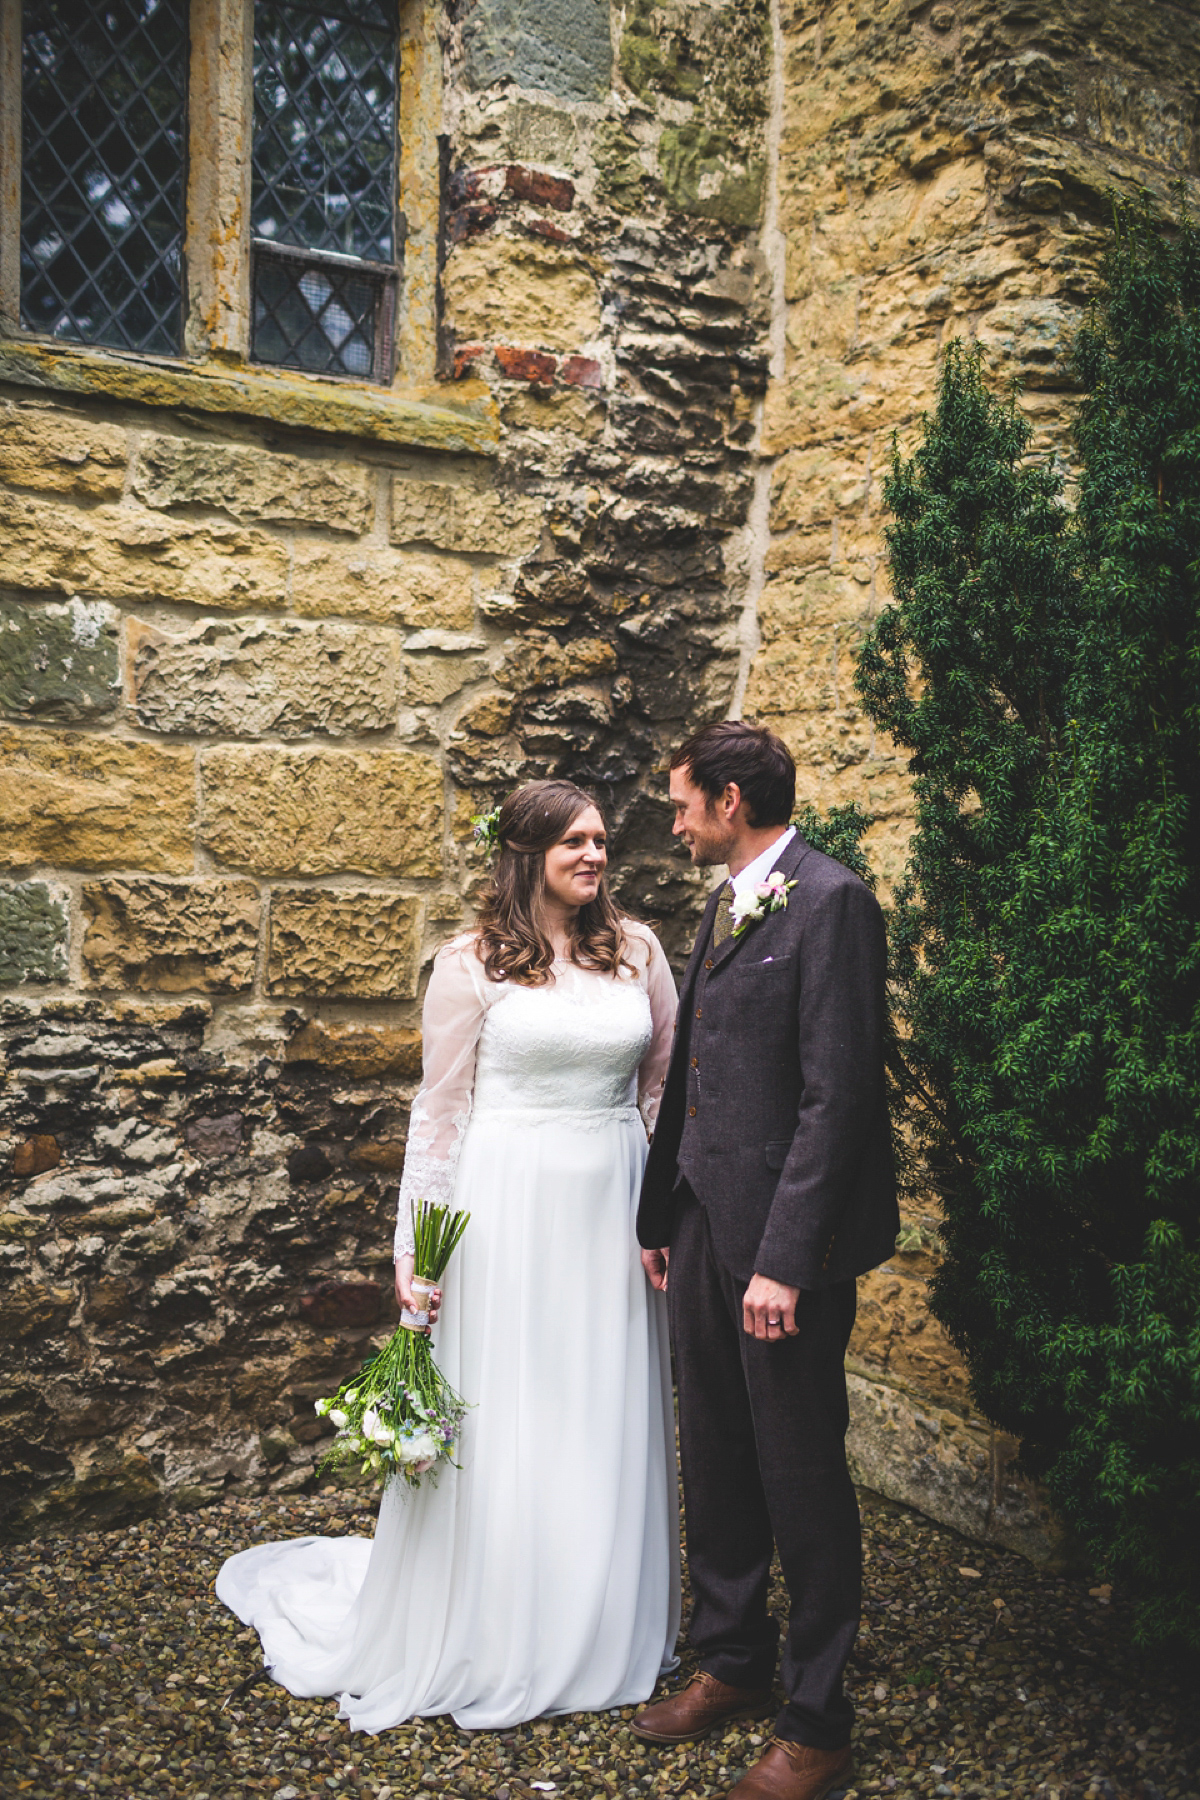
703, 172
33, 933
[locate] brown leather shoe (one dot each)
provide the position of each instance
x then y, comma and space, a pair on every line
696, 1709
795, 1772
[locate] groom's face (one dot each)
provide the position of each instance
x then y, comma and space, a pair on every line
701, 822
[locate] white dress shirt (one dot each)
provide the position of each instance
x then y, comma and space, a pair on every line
764, 862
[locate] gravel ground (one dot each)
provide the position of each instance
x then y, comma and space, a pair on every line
974, 1675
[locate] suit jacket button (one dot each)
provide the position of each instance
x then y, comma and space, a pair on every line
695, 1062
708, 964
699, 1012
691, 1112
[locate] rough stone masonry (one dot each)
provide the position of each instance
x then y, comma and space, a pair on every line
676, 274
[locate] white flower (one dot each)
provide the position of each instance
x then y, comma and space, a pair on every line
338, 1417
351, 1396
370, 1420
744, 906
776, 879
321, 1407
423, 1447
383, 1434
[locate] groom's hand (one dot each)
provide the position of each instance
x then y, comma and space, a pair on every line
769, 1310
655, 1264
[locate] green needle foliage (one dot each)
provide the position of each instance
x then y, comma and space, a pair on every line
1043, 668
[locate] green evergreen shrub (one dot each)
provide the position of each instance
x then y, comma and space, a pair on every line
1043, 668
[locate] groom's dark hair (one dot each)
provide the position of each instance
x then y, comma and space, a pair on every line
759, 762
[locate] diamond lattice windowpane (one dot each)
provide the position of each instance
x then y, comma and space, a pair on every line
325, 126
102, 177
331, 317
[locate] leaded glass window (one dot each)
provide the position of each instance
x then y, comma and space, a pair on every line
323, 209
102, 183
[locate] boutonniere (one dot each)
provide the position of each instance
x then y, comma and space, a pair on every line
753, 904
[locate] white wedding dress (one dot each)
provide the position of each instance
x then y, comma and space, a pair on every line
542, 1576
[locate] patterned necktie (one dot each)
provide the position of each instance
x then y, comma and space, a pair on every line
723, 924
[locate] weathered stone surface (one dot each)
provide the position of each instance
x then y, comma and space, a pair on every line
348, 1303
370, 581
358, 941
357, 1052
341, 408
549, 409
219, 1136
252, 483
36, 1155
172, 937
58, 662
429, 680
563, 46
315, 812
896, 1335
958, 1471
43, 447
32, 1306
34, 925
263, 679
462, 518
709, 174
127, 553
520, 291
94, 802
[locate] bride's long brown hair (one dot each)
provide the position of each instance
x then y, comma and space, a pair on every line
513, 942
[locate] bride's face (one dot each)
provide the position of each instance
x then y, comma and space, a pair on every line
575, 864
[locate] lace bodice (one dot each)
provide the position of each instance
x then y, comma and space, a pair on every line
586, 1047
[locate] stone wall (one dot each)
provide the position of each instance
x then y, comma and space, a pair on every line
675, 273
942, 171
267, 642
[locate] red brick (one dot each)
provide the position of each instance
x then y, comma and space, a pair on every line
544, 229
463, 359
582, 371
469, 222
542, 189
525, 365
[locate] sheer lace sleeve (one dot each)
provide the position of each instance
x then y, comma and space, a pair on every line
659, 984
455, 1006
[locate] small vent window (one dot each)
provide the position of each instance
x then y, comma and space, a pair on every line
324, 189
102, 187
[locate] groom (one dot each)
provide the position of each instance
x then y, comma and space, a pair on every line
769, 1187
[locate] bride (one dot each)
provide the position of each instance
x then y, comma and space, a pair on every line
542, 1575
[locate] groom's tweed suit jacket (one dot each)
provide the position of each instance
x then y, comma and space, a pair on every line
774, 1109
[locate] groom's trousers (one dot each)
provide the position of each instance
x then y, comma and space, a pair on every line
762, 1445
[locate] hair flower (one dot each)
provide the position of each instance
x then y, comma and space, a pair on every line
486, 831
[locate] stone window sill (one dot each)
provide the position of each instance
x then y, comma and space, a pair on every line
308, 403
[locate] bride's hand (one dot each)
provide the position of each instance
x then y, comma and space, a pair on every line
655, 1264
404, 1294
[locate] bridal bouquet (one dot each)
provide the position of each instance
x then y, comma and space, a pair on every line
399, 1414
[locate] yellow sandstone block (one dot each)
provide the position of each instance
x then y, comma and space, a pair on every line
462, 518
88, 802
171, 936
354, 941
55, 451
127, 553
369, 581
316, 812
530, 294
253, 483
